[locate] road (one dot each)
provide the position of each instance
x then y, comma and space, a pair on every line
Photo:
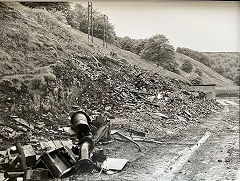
214, 156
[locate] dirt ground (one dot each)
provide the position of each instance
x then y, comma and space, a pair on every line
209, 152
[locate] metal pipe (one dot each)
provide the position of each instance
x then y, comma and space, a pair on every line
85, 151
22, 158
85, 164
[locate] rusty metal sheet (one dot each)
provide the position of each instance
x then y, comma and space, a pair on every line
57, 144
114, 164
51, 145
2, 176
67, 143
59, 161
38, 174
44, 145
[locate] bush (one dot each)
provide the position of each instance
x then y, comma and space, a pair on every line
198, 71
196, 80
187, 66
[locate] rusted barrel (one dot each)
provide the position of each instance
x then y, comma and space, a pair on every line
80, 123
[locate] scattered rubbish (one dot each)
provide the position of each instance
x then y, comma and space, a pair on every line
132, 131
110, 172
13, 116
161, 142
114, 164
24, 123
114, 131
58, 157
58, 162
38, 174
13, 175
129, 139
161, 115
68, 130
2, 176
29, 154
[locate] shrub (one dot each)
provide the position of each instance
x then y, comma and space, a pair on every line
198, 71
196, 80
187, 66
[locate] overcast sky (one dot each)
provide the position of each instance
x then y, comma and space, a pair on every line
203, 26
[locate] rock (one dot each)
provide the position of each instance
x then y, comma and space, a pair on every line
108, 108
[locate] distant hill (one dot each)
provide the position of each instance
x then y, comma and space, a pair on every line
209, 76
225, 63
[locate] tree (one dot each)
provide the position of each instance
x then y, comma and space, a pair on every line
187, 66
158, 49
126, 43
138, 46
78, 19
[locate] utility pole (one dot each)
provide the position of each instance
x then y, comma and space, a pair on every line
92, 20
104, 30
88, 21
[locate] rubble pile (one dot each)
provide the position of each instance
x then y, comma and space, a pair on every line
44, 160
145, 101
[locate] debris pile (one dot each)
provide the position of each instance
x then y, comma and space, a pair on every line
57, 158
134, 98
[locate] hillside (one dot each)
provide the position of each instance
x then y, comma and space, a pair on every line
46, 68
63, 49
226, 63
209, 76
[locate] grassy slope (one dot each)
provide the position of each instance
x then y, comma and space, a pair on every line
209, 76
29, 26
34, 28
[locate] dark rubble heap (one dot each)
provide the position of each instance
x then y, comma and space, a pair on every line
134, 99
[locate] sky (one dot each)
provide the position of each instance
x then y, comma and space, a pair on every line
203, 26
